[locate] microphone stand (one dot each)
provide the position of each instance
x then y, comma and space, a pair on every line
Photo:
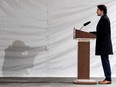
81, 27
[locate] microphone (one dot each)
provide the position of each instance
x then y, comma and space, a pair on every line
85, 24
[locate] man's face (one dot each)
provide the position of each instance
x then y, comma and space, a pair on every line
99, 12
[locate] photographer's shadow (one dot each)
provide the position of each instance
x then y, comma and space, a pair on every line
18, 59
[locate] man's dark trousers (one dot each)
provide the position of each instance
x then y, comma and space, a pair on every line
106, 66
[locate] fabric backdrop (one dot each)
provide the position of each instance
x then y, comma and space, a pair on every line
36, 37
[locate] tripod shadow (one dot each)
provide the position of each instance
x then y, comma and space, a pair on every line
18, 59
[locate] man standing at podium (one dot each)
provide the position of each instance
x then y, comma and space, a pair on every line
103, 42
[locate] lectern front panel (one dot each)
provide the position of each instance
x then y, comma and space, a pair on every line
83, 60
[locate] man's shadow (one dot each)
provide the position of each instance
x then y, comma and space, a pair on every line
18, 59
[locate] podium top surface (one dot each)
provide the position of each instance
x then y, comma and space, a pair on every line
82, 34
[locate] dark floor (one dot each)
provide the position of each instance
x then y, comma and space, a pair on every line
46, 82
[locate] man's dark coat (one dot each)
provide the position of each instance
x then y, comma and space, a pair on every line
103, 37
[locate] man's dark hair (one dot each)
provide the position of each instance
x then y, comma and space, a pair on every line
102, 8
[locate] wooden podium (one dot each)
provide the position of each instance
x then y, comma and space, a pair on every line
83, 38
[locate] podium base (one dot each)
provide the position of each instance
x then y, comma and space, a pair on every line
84, 81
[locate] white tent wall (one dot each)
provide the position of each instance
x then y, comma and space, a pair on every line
36, 37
